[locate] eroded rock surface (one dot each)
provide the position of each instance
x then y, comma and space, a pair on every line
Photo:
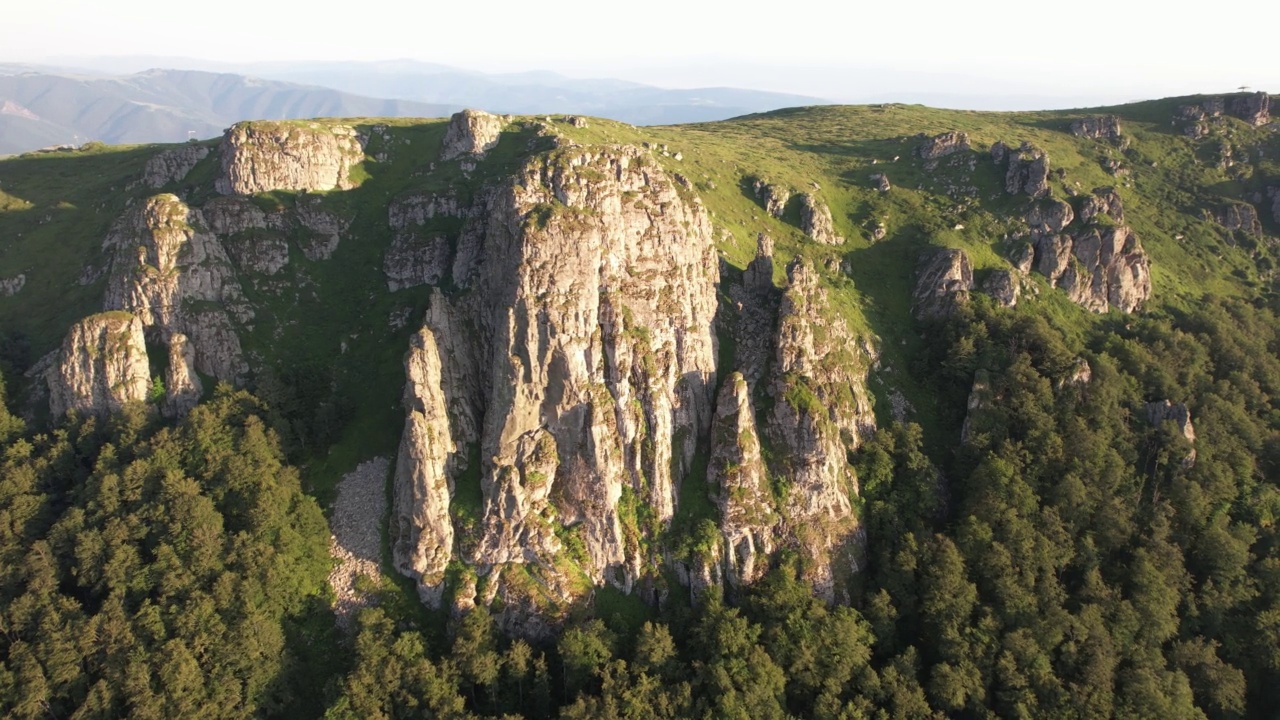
943, 281
176, 277
181, 383
471, 133
1241, 217
173, 165
264, 156
1097, 128
774, 198
101, 367
1028, 171
420, 253
815, 221
940, 146
11, 286
579, 362
1179, 414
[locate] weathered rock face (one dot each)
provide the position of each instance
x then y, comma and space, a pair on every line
821, 412
264, 156
471, 133
881, 182
163, 261
940, 146
579, 361
171, 166
1097, 128
1163, 411
182, 386
418, 254
758, 274
740, 485
421, 525
1241, 217
1099, 268
1104, 201
815, 221
1028, 171
943, 281
1254, 109
1273, 194
101, 367
774, 198
1050, 216
1004, 286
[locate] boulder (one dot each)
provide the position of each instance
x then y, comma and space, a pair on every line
773, 198
1004, 286
1239, 216
816, 222
944, 278
1028, 171
471, 134
881, 182
940, 146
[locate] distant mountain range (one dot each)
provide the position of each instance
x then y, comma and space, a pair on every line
119, 100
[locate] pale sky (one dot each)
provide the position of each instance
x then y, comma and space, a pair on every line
1122, 48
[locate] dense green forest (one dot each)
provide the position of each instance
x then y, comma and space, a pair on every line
1069, 560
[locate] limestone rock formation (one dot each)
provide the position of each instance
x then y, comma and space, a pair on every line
1050, 216
163, 261
1254, 108
1103, 201
1097, 128
1239, 216
815, 221
821, 412
182, 386
471, 133
1099, 268
579, 360
1004, 286
171, 166
944, 278
101, 367
759, 272
421, 526
740, 485
322, 229
1163, 411
882, 182
940, 146
1028, 171
264, 156
418, 255
774, 198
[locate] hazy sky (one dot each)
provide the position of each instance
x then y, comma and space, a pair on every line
840, 49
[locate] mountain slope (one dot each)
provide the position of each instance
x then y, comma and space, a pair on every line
985, 378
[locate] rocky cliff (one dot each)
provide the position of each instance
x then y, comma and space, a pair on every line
175, 276
101, 367
260, 157
578, 365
